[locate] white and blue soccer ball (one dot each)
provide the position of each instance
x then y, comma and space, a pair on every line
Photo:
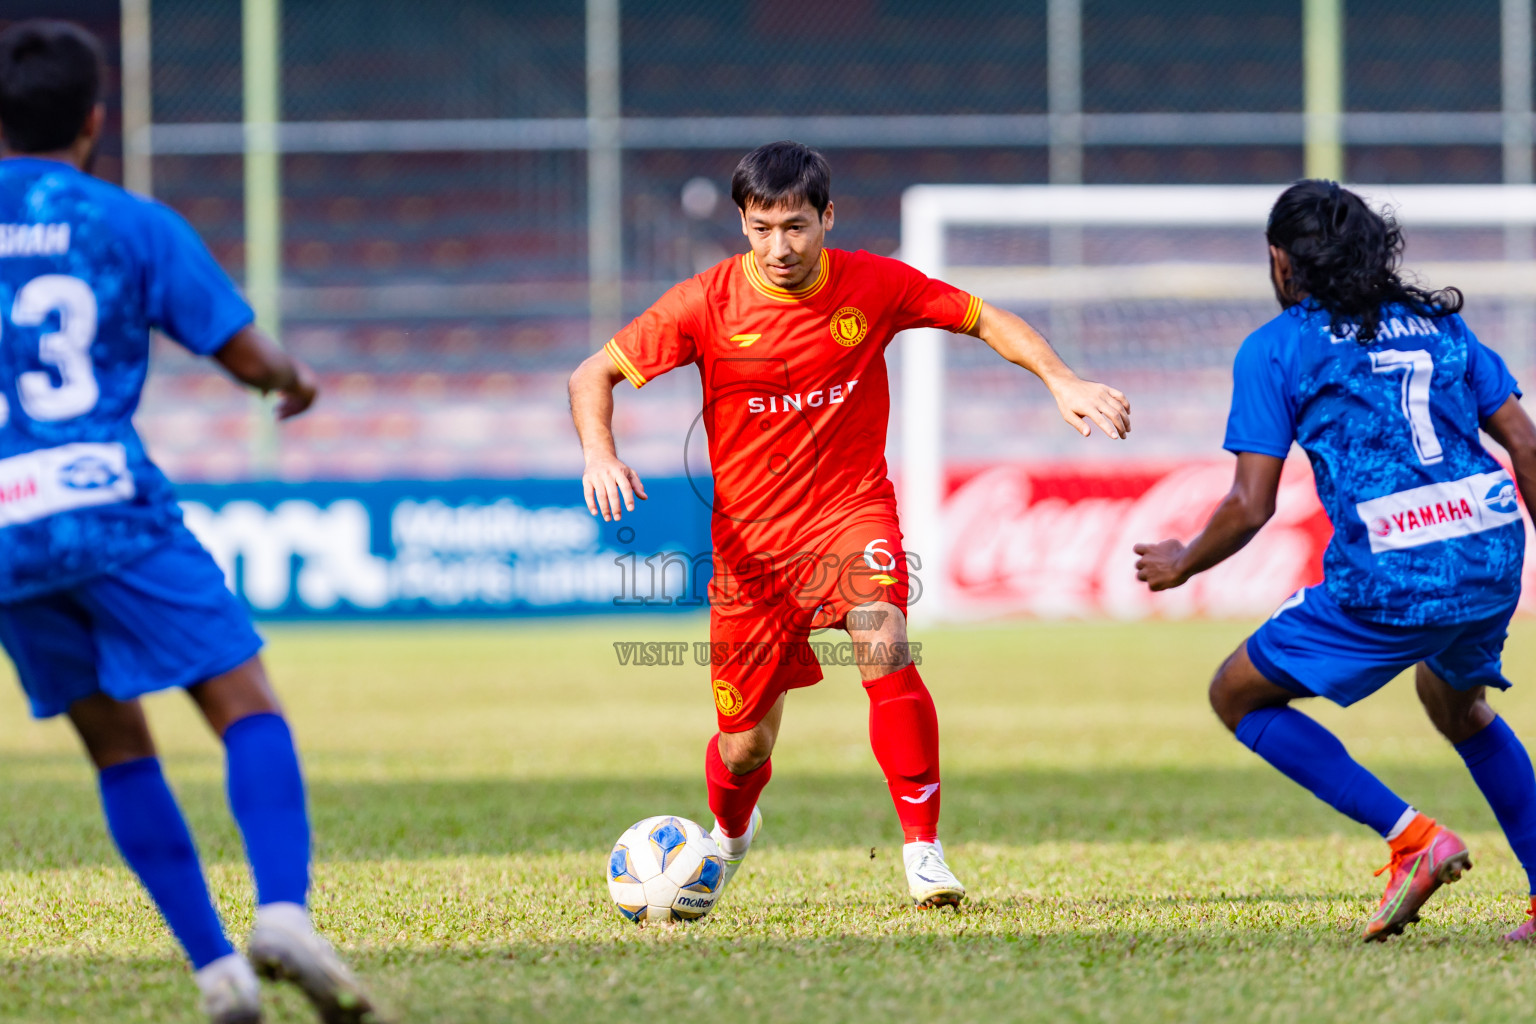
665, 869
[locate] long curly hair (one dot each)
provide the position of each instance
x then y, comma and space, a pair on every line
1345, 259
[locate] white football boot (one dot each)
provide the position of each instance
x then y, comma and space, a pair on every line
284, 946
929, 879
734, 850
231, 993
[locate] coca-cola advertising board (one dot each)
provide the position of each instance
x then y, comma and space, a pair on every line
1055, 541
1035, 539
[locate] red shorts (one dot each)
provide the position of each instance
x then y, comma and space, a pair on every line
763, 617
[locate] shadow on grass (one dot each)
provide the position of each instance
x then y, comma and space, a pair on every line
45, 824
1277, 973
705, 942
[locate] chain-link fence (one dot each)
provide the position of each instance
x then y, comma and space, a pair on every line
435, 181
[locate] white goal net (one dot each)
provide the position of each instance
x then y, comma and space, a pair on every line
1150, 289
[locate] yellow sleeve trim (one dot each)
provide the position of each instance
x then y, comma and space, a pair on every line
972, 315
626, 367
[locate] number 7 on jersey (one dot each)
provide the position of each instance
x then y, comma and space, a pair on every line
1418, 369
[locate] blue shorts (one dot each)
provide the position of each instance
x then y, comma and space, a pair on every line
166, 620
1315, 648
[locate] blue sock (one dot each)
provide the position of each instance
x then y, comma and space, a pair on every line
1313, 757
148, 828
1502, 770
266, 796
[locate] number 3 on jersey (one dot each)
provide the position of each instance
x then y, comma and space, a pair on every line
67, 349
1418, 370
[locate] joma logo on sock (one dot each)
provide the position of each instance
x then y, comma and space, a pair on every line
926, 791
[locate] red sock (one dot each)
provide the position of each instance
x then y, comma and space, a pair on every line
733, 796
904, 734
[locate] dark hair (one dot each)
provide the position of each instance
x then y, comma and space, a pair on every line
782, 174
50, 78
1345, 258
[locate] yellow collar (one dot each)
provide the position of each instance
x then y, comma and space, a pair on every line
756, 280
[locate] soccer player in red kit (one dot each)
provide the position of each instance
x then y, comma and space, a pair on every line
790, 341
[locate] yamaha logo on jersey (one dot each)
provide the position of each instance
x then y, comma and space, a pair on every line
47, 481
1501, 497
1439, 511
849, 326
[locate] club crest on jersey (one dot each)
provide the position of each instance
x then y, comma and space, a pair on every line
728, 699
849, 326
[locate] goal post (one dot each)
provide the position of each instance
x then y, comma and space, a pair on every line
1198, 250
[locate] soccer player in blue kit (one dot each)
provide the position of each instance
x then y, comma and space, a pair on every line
1385, 388
104, 594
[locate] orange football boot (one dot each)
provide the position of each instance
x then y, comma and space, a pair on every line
1527, 931
1425, 857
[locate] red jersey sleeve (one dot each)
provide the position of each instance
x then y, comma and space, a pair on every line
662, 338
926, 302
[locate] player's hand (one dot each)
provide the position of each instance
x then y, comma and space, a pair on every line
1158, 566
1084, 401
300, 394
606, 483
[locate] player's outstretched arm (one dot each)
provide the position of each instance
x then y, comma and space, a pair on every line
1080, 401
1511, 426
256, 360
606, 482
1241, 514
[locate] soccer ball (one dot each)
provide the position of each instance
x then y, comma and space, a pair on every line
665, 869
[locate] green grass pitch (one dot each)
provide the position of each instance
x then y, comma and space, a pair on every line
1127, 860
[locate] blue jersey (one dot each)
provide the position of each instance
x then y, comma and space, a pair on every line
86, 270
1426, 528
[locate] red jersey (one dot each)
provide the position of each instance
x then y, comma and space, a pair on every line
796, 395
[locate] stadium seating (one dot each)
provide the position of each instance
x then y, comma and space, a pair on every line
461, 264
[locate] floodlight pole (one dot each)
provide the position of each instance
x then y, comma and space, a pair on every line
1515, 53
1064, 100
605, 165
1064, 89
137, 97
261, 65
1323, 87
1519, 245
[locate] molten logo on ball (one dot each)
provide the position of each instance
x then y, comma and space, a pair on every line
665, 869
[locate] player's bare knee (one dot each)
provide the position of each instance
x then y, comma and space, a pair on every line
1479, 716
879, 634
743, 761
1225, 697
1460, 724
1229, 710
236, 694
1457, 714
880, 659
743, 752
877, 622
112, 732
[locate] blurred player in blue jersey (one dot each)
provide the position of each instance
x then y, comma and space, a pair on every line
104, 594
1384, 387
